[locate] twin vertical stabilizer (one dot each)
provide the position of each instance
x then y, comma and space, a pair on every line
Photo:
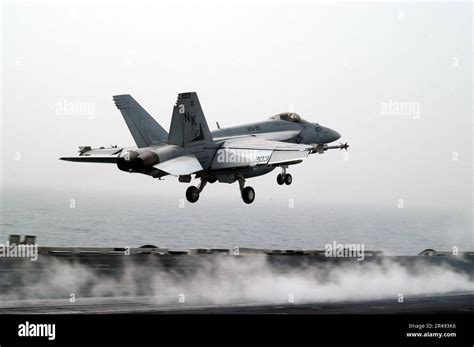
145, 130
188, 125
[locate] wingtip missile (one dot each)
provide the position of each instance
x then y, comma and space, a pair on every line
343, 146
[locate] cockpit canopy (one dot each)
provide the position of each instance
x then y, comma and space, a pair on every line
288, 116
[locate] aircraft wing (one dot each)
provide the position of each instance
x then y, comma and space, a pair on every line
96, 155
253, 151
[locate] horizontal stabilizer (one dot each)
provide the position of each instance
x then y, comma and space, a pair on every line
92, 159
184, 165
96, 155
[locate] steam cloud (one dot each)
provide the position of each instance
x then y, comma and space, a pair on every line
237, 280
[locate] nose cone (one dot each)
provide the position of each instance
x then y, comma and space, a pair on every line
333, 135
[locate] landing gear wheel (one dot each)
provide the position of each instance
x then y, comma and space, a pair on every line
248, 195
280, 179
288, 179
192, 194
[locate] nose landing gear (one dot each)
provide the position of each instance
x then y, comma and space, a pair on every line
284, 178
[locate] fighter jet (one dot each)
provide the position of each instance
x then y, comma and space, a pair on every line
225, 155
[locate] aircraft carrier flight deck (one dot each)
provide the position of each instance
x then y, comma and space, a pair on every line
78, 280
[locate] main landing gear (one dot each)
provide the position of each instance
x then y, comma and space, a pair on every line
284, 178
248, 194
192, 193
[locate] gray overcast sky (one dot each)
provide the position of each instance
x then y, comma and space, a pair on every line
338, 64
